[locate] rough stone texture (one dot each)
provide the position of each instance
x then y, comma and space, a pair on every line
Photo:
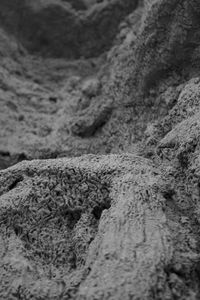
119, 226
94, 227
172, 28
85, 228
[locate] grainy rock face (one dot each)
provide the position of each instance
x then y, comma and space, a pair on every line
99, 149
64, 224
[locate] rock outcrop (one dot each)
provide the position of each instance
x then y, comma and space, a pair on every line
85, 228
99, 142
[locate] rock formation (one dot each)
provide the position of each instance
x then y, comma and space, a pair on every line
99, 149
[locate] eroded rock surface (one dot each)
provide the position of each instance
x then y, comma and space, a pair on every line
85, 228
124, 225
